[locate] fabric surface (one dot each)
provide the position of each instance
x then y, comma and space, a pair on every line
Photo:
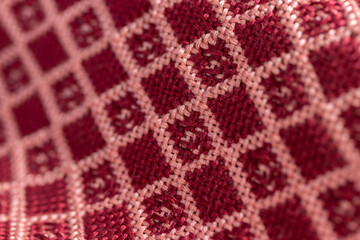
180, 119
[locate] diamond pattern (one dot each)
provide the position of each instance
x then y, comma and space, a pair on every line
48, 59
108, 71
83, 137
214, 178
42, 158
283, 220
15, 75
144, 161
177, 91
28, 13
30, 116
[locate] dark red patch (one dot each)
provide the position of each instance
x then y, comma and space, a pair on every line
49, 198
5, 168
68, 93
4, 38
352, 122
86, 29
190, 19
165, 211
337, 66
49, 231
286, 92
237, 233
244, 118
214, 64
42, 158
40, 49
214, 191
15, 75
190, 137
63, 4
28, 13
343, 206
288, 221
321, 16
264, 172
5, 229
166, 89
146, 46
99, 183
125, 114
263, 39
144, 161
104, 70
124, 11
111, 223
30, 116
312, 148
83, 137
4, 203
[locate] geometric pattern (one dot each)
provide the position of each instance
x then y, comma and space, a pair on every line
179, 119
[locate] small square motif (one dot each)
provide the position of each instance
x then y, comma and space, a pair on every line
190, 19
285, 91
99, 183
263, 39
124, 12
86, 29
210, 179
30, 116
263, 171
321, 153
337, 66
116, 220
28, 13
125, 114
15, 75
214, 64
40, 49
146, 46
50, 230
42, 159
83, 137
343, 206
289, 221
190, 137
68, 93
49, 198
166, 89
165, 211
244, 118
104, 70
144, 161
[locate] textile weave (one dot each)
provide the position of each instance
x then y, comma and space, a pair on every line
180, 119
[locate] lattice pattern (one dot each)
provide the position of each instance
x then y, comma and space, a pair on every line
179, 119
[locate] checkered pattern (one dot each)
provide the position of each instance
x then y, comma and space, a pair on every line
180, 119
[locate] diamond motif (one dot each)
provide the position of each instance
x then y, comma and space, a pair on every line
15, 75
42, 158
30, 116
214, 178
144, 161
28, 13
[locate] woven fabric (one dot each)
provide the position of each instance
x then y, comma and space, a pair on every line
180, 119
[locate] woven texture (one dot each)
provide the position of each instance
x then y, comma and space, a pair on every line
180, 119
